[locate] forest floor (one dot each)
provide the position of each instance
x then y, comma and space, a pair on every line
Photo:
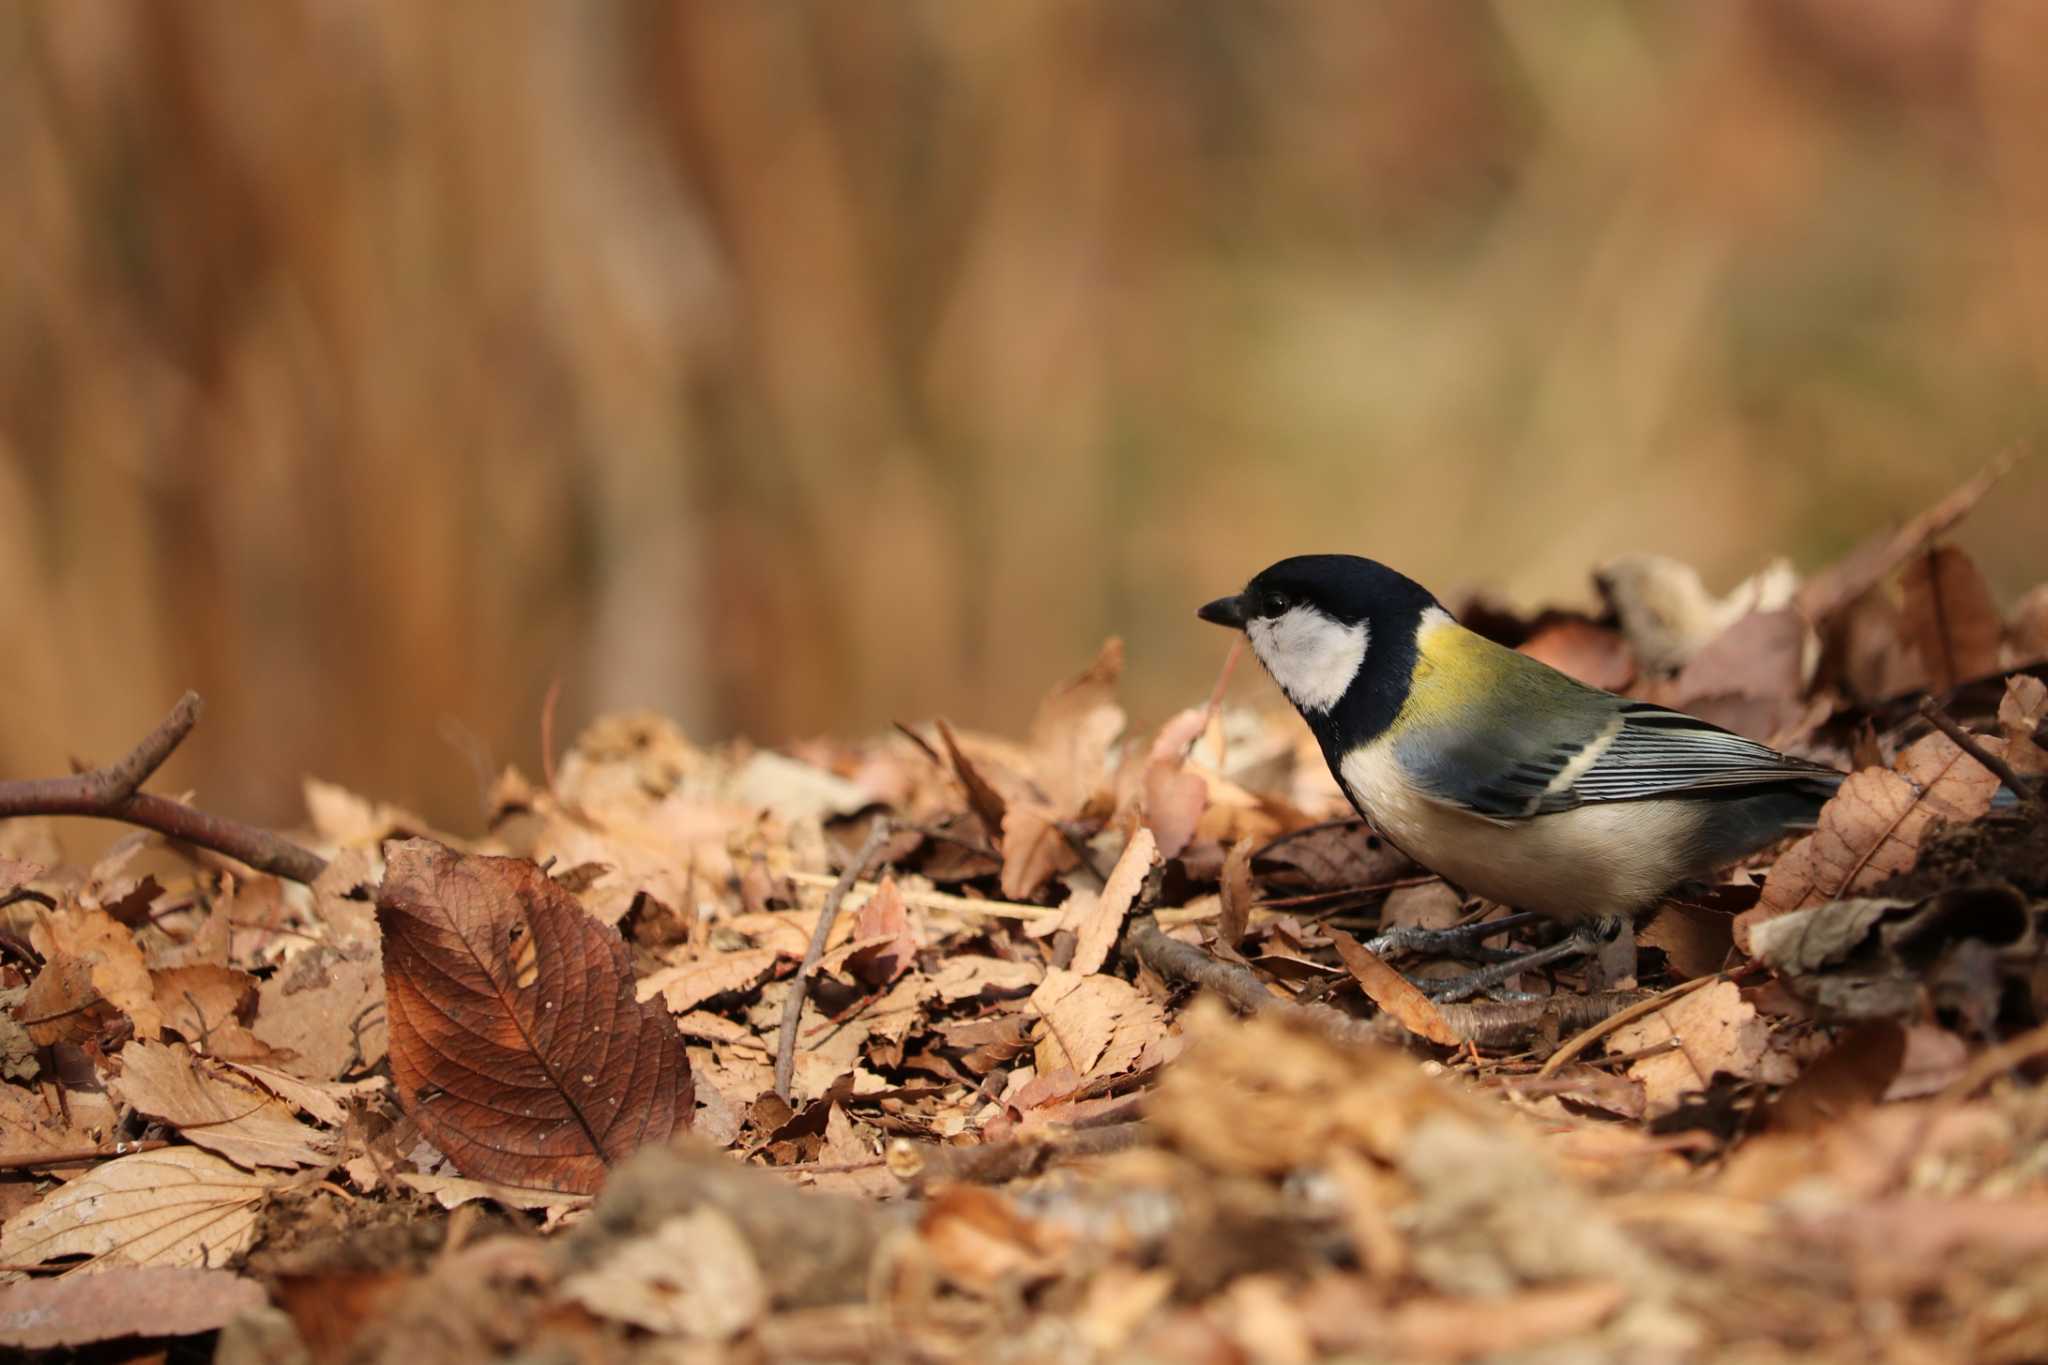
1063, 1046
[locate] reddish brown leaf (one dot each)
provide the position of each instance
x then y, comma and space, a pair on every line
1595, 655
1852, 1074
1950, 617
1393, 992
544, 1077
1827, 592
884, 925
982, 797
1759, 656
1236, 915
1174, 801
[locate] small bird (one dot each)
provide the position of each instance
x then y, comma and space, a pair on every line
1502, 775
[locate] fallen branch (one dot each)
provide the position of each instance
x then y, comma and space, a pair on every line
800, 984
1992, 763
1486, 1024
109, 793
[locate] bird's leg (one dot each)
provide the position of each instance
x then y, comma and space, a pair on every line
1587, 936
1459, 941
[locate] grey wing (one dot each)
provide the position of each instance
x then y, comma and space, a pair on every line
1605, 749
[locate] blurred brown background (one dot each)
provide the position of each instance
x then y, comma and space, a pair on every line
795, 367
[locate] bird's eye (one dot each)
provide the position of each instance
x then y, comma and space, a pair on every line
1275, 603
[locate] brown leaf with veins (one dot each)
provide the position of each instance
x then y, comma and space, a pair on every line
112, 958
63, 1006
1105, 919
1873, 827
2022, 712
517, 1043
1393, 992
210, 1007
1950, 617
179, 1206
221, 1113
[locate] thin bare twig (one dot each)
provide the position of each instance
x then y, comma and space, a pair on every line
109, 793
15, 1161
1992, 763
800, 984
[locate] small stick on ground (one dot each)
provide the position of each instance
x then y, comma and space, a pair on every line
18, 1161
1992, 763
800, 985
109, 793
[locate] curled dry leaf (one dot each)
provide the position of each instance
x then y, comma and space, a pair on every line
223, 1114
112, 959
122, 1301
1035, 849
1393, 993
1949, 617
883, 926
689, 984
1075, 732
1835, 587
1105, 919
516, 1042
1237, 895
2022, 715
178, 1207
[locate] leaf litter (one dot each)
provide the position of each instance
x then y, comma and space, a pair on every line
462, 1097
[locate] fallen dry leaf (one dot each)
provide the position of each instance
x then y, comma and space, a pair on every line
122, 1301
1393, 992
453, 1191
1949, 617
1848, 578
1105, 920
1857, 1071
693, 1276
324, 1013
1174, 802
1237, 893
112, 957
210, 1006
1075, 731
2021, 713
1035, 849
176, 1207
516, 1042
883, 924
62, 1005
1718, 1032
687, 985
227, 1115
1095, 1025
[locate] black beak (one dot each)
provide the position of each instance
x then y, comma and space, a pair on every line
1225, 611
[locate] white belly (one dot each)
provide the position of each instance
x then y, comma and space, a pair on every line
1599, 859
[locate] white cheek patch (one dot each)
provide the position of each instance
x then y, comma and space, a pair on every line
1311, 656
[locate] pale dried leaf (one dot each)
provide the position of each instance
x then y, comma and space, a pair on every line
226, 1115
326, 1102
694, 1276
122, 1301
453, 1191
1393, 992
965, 975
114, 959
685, 986
179, 1206
1098, 933
1035, 850
1175, 800
1097, 1025
1718, 1033
2022, 713
325, 1013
